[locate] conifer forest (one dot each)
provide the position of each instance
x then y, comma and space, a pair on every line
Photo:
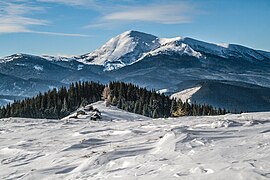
58, 103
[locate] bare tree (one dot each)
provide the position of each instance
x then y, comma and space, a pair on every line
106, 95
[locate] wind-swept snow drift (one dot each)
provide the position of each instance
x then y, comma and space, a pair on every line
126, 146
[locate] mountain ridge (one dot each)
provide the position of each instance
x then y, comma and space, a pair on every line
178, 45
147, 61
132, 46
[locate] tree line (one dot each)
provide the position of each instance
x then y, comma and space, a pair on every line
58, 103
139, 100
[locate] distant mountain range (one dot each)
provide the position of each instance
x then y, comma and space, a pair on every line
231, 76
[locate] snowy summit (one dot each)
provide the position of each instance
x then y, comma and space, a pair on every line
132, 46
122, 50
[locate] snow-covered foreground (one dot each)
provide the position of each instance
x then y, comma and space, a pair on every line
129, 146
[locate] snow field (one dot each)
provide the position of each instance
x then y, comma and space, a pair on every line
186, 94
129, 146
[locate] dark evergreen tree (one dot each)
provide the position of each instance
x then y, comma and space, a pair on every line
58, 103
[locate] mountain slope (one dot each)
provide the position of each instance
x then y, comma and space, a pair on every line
122, 50
132, 46
28, 66
225, 50
143, 59
231, 95
165, 71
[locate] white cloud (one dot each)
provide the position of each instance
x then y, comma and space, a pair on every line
69, 2
162, 13
14, 19
18, 15
169, 13
107, 25
60, 34
21, 21
7, 28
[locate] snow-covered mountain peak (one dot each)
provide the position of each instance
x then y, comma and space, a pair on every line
14, 57
225, 50
57, 58
205, 47
138, 35
164, 41
173, 46
225, 45
122, 50
133, 46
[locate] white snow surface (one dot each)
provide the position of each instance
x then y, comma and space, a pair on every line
38, 68
186, 94
80, 67
10, 58
225, 50
58, 58
173, 48
128, 146
114, 49
163, 91
164, 41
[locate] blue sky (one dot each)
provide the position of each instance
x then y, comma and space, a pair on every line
73, 27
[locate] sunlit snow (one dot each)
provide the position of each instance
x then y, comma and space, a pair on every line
38, 68
186, 94
128, 146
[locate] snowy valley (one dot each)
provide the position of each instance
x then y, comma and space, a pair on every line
129, 146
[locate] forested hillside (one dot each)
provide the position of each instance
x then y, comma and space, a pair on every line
58, 103
55, 103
